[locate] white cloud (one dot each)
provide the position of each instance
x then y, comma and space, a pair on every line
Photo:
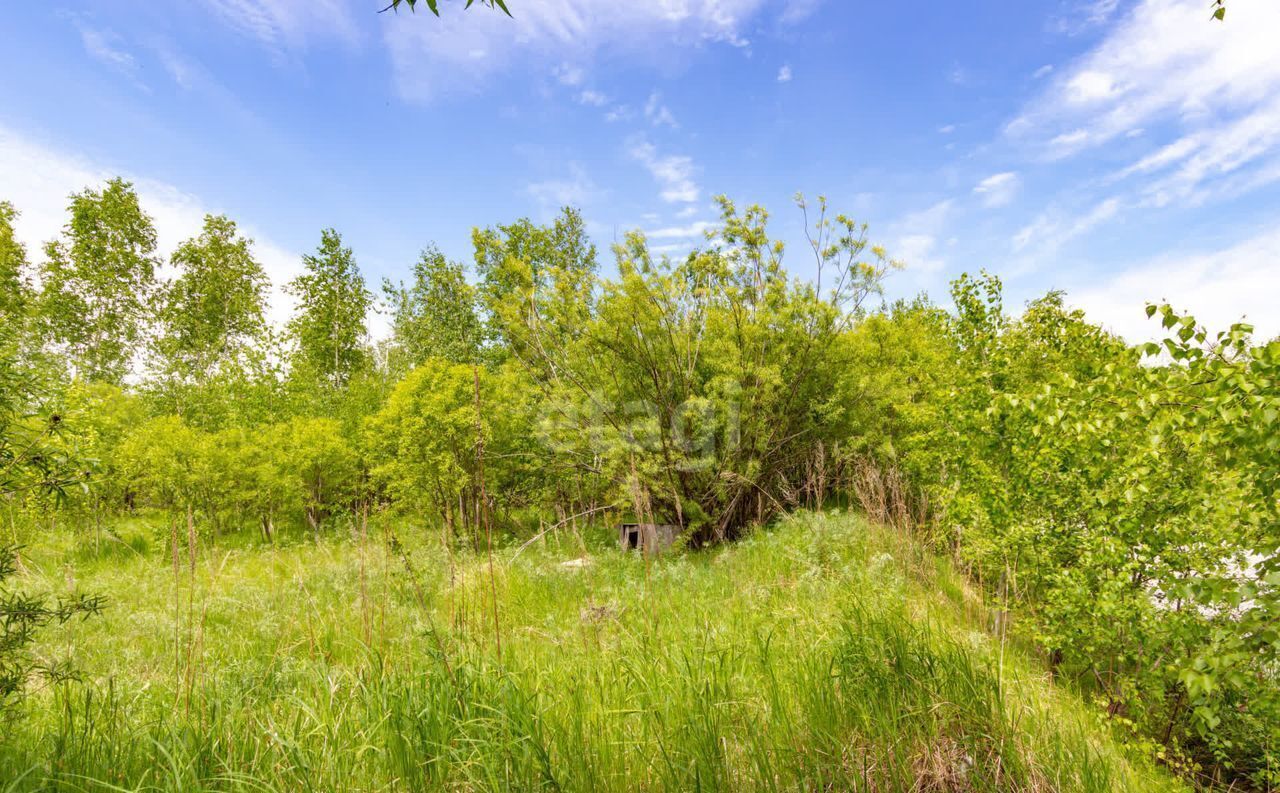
39, 181
946, 129
674, 173
285, 28
461, 51
107, 48
1099, 11
179, 68
659, 114
1090, 86
1068, 143
569, 75
1218, 287
619, 113
1202, 98
1043, 71
918, 252
915, 238
784, 74
593, 98
1201, 165
798, 11
696, 230
1083, 15
1054, 228
574, 191
998, 189
1163, 62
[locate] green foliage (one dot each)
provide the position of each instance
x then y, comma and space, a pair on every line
15, 290
21, 617
324, 465
688, 384
213, 321
1130, 506
536, 277
434, 317
425, 445
161, 460
425, 439
98, 283
328, 331
434, 5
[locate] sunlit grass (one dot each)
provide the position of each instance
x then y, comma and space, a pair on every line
822, 654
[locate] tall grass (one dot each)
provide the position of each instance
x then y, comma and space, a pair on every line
823, 654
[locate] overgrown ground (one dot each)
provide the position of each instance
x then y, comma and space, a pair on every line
822, 654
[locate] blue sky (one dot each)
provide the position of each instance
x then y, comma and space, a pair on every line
1123, 151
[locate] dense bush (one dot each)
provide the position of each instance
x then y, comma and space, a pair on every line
1126, 499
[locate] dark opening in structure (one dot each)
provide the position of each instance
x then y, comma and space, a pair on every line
647, 537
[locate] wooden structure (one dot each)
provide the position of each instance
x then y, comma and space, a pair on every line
651, 538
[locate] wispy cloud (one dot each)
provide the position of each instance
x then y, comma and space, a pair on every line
916, 238
1199, 101
461, 52
673, 173
1083, 15
796, 11
285, 28
1162, 63
569, 75
1054, 228
574, 191
1219, 287
182, 71
659, 115
696, 230
784, 74
108, 48
619, 113
998, 189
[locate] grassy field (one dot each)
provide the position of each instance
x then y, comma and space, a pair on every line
821, 654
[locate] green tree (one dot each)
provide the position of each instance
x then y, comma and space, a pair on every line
98, 283
329, 332
213, 318
323, 464
435, 316
160, 460
423, 441
98, 418
537, 283
423, 445
15, 290
689, 382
